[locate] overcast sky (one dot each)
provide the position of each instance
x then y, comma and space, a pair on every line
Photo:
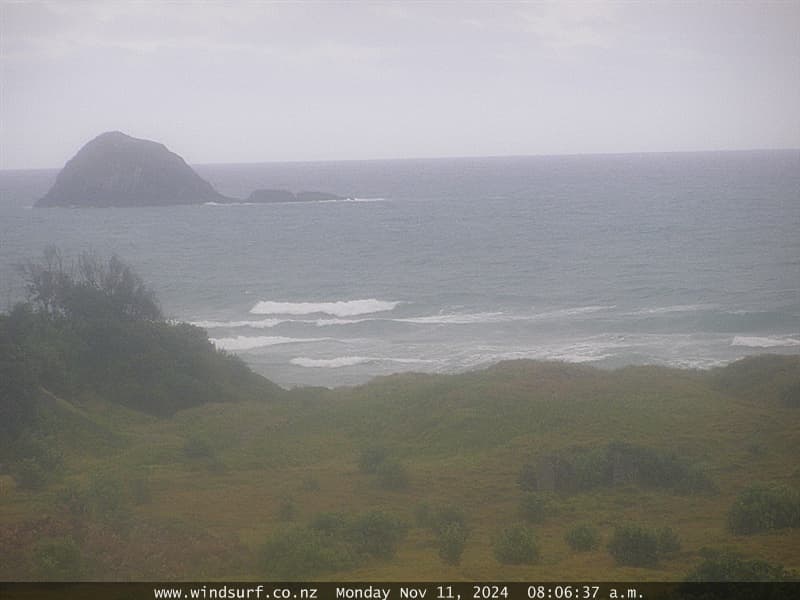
262, 81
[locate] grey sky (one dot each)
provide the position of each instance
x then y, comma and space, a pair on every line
260, 81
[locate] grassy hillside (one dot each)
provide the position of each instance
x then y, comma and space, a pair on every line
417, 477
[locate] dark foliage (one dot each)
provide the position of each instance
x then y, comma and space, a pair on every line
636, 546
582, 538
729, 566
96, 329
761, 508
332, 542
516, 546
451, 542
618, 463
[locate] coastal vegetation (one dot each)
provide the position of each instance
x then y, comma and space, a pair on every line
131, 448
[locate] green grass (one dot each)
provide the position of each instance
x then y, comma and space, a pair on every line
207, 512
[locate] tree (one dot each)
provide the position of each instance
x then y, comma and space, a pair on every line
91, 288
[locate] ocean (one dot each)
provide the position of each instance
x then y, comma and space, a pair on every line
443, 265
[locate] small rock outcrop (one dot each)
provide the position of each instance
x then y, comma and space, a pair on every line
266, 196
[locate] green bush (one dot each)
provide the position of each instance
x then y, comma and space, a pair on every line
302, 553
392, 475
634, 546
376, 534
516, 546
58, 559
668, 542
526, 479
74, 501
761, 508
438, 518
582, 538
535, 507
582, 469
371, 458
729, 566
331, 524
287, 510
451, 542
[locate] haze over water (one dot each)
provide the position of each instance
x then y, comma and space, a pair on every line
441, 265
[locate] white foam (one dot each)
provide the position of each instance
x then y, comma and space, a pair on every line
341, 308
243, 342
763, 342
340, 200
349, 361
460, 319
571, 312
676, 308
262, 324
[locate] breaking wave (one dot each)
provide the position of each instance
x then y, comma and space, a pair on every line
243, 342
349, 361
763, 342
341, 308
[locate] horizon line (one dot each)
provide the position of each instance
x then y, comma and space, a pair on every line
452, 157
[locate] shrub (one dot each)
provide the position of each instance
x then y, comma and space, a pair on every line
668, 542
535, 508
582, 538
392, 475
371, 458
451, 542
526, 479
516, 546
74, 501
437, 519
760, 508
302, 553
332, 524
582, 469
376, 534
634, 546
58, 559
287, 511
729, 566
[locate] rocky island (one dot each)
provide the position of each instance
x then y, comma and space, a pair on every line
115, 169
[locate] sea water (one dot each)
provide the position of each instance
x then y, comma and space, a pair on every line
442, 265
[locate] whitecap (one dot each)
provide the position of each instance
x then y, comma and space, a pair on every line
349, 361
340, 308
243, 342
261, 324
763, 342
674, 308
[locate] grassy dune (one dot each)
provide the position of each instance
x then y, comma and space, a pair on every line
198, 494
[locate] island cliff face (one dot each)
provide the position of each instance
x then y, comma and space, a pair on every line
115, 169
